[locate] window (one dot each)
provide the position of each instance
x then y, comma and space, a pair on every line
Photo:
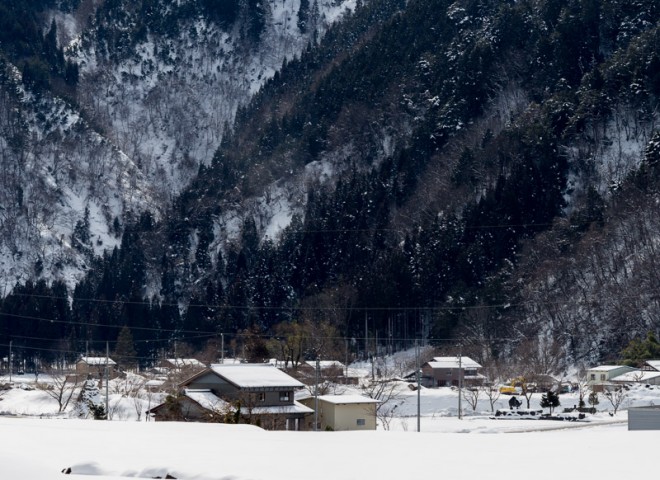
603, 377
593, 376
361, 422
284, 396
262, 397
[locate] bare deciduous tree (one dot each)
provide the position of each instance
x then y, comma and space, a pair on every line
471, 396
616, 397
61, 388
387, 393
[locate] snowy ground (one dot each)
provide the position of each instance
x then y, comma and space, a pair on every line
476, 446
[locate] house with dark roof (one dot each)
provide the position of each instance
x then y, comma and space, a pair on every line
259, 394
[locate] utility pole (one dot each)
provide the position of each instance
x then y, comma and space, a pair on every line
460, 383
107, 381
316, 395
366, 336
346, 362
419, 388
222, 348
11, 359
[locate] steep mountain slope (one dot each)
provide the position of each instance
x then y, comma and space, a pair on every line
423, 155
124, 101
473, 172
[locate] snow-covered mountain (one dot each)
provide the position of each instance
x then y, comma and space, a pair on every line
150, 106
468, 170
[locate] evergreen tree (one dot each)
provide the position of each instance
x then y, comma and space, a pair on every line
125, 353
550, 400
638, 351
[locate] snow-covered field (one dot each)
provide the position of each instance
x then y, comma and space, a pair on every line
476, 446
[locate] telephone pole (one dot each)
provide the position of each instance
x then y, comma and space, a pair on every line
419, 388
316, 395
107, 381
460, 383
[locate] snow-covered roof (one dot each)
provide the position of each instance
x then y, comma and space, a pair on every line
346, 399
254, 375
185, 362
655, 364
452, 362
323, 364
297, 407
97, 360
606, 368
636, 376
206, 399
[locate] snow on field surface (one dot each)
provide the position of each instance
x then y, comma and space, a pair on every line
41, 449
476, 446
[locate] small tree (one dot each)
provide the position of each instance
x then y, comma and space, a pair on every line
492, 393
386, 392
61, 388
593, 399
550, 400
583, 389
616, 397
471, 396
526, 389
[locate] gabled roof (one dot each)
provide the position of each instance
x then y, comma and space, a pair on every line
654, 364
347, 399
636, 376
255, 375
607, 368
452, 362
97, 360
185, 362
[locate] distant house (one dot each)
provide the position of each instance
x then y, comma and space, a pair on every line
178, 364
599, 378
652, 365
647, 377
328, 369
331, 366
447, 371
195, 405
263, 393
343, 412
94, 367
543, 383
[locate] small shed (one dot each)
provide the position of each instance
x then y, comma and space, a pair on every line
644, 418
343, 412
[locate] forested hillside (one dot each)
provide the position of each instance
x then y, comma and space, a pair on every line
473, 173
